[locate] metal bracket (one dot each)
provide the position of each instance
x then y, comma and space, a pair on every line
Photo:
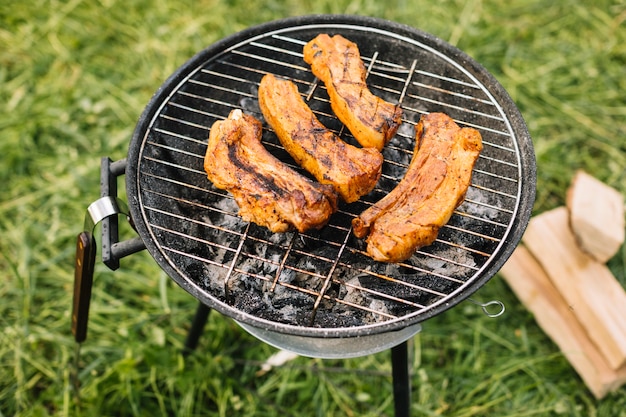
112, 249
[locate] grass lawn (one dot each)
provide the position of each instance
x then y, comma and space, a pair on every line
75, 76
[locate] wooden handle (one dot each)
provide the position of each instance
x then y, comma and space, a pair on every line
83, 280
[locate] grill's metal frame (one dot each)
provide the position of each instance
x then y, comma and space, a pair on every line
516, 147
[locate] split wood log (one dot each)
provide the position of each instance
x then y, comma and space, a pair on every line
596, 216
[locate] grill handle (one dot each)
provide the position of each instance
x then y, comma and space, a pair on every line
83, 280
85, 261
104, 210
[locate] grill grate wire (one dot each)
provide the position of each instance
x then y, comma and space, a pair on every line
179, 203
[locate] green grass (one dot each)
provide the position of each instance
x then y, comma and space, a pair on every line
74, 77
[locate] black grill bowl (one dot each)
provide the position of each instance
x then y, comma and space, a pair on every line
318, 293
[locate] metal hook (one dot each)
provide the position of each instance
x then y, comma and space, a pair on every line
484, 307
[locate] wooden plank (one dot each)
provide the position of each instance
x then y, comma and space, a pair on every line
588, 286
533, 287
596, 216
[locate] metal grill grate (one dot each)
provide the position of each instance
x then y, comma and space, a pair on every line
322, 278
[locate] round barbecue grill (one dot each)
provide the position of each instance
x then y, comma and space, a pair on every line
311, 292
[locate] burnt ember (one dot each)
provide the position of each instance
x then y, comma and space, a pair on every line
314, 279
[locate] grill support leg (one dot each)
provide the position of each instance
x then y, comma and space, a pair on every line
197, 326
401, 380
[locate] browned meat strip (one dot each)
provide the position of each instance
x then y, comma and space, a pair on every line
352, 171
410, 216
268, 192
337, 62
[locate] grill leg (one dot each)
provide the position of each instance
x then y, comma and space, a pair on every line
197, 326
401, 380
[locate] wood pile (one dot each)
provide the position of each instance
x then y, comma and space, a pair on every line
559, 274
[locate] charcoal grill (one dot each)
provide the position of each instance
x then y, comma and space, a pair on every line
315, 293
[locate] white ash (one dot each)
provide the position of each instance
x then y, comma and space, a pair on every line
480, 205
455, 262
250, 105
406, 130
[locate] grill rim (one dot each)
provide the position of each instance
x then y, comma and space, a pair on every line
170, 86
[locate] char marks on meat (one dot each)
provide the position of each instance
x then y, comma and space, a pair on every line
337, 62
352, 171
268, 192
410, 216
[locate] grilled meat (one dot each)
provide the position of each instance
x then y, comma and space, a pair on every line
337, 62
435, 183
352, 171
268, 192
